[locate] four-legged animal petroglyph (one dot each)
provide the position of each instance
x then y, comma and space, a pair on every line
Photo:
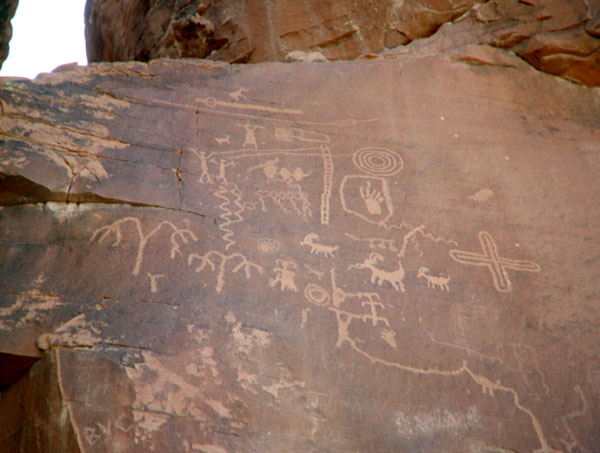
481, 196
496, 264
379, 276
284, 275
181, 234
434, 281
315, 248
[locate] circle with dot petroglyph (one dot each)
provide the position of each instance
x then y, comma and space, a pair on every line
316, 295
378, 161
268, 245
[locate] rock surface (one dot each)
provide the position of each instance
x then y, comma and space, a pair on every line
555, 36
7, 11
390, 255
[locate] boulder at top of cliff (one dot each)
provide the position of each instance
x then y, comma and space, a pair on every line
7, 11
555, 36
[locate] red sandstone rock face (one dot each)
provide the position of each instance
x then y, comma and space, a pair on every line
556, 36
255, 31
391, 255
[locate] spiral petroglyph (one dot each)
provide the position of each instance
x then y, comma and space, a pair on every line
378, 161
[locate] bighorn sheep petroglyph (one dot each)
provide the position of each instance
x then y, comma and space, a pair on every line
378, 276
434, 281
325, 250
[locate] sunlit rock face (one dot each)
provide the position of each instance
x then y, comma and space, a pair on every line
390, 255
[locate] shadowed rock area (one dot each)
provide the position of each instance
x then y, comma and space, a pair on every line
389, 255
7, 11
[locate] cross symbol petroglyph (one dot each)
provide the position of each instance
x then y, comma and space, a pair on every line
496, 264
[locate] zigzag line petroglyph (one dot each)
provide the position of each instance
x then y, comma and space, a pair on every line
228, 216
495, 264
205, 259
296, 199
327, 183
115, 228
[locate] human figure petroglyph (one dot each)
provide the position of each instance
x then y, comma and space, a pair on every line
207, 259
284, 275
372, 198
379, 276
178, 234
495, 264
205, 177
223, 164
434, 281
316, 248
250, 138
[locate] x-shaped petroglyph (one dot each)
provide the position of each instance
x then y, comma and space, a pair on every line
496, 264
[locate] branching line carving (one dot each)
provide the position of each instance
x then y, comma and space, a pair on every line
207, 260
178, 236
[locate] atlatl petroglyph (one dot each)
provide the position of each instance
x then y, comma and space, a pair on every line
207, 259
115, 228
496, 264
434, 281
212, 103
286, 134
316, 248
285, 272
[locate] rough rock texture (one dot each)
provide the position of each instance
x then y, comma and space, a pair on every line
255, 31
390, 255
7, 11
555, 36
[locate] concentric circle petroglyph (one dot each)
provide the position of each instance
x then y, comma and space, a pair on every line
316, 295
378, 161
268, 245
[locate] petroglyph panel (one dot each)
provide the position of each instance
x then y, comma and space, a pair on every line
264, 266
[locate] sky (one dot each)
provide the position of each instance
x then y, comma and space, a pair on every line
46, 34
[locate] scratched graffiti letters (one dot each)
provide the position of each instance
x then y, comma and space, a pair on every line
178, 236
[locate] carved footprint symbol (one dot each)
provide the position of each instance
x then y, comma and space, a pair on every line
372, 199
